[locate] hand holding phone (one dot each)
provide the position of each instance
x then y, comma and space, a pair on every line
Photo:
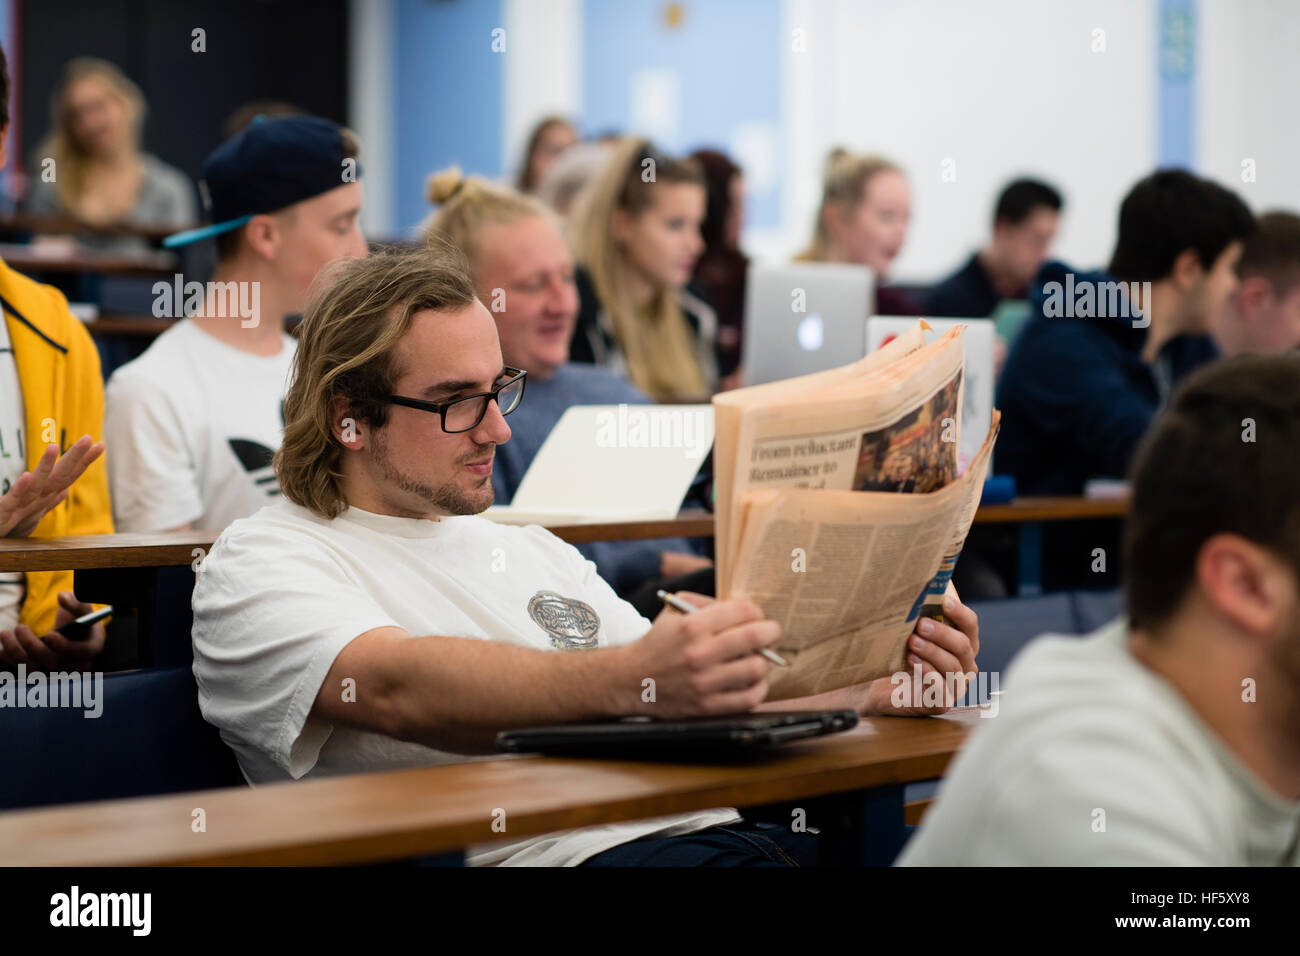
78, 629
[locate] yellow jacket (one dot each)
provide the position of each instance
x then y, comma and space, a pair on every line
63, 395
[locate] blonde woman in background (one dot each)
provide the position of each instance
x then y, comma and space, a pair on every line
100, 175
636, 237
866, 204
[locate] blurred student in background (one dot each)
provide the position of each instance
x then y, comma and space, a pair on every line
194, 421
1025, 220
523, 272
99, 174
550, 137
721, 271
636, 236
51, 399
1263, 314
866, 204
572, 171
1101, 350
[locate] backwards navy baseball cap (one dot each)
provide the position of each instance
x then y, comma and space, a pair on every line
271, 164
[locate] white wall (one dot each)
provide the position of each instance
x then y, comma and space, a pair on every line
370, 109
1249, 78
543, 73
1000, 87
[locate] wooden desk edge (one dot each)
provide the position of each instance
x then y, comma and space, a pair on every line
46, 832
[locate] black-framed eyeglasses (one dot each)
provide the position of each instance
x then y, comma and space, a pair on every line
464, 414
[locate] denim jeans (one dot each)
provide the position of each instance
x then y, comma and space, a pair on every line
736, 844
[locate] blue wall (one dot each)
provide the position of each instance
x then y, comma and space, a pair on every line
447, 89
1176, 56
728, 49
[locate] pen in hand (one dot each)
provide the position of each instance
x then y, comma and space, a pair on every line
677, 604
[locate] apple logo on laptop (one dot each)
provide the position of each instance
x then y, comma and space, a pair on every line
811, 333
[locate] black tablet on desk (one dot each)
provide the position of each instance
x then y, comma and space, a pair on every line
635, 738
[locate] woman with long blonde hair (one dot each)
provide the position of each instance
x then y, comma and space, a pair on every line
636, 237
91, 167
863, 216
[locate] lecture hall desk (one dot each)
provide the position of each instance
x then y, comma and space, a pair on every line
131, 570
402, 814
165, 549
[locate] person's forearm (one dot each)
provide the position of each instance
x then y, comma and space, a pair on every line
456, 693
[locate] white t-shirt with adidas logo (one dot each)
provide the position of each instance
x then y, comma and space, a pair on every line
190, 427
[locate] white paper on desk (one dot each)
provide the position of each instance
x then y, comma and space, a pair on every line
613, 463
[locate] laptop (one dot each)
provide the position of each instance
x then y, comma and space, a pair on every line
634, 738
977, 400
804, 317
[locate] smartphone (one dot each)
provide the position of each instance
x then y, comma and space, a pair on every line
79, 628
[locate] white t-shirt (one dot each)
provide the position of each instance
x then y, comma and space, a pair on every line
1086, 736
283, 592
190, 427
13, 462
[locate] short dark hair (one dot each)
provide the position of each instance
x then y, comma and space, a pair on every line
1021, 197
1168, 213
4, 90
1220, 459
1273, 251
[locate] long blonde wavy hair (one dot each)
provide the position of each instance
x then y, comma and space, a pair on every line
656, 340
70, 159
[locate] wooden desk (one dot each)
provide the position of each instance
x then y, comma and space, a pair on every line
169, 549
79, 552
70, 226
134, 326
694, 523
412, 813
27, 259
1021, 510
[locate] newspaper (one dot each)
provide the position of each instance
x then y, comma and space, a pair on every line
811, 524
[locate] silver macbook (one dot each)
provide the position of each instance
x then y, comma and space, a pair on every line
804, 317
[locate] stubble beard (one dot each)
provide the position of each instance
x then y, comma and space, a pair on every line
448, 498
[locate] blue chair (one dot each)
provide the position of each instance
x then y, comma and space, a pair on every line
149, 739
1093, 609
1007, 624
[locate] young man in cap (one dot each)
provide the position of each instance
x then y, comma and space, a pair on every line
193, 422
51, 400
